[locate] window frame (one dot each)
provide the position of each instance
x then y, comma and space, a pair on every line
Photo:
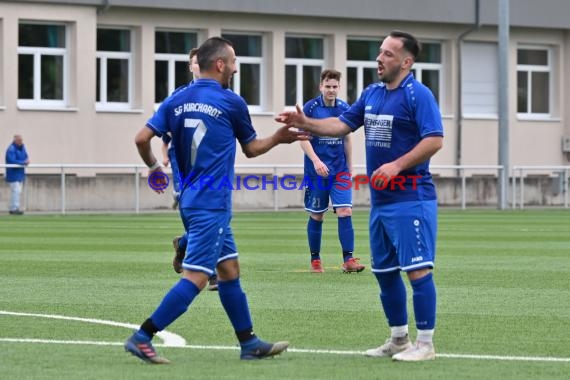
419, 67
529, 69
236, 87
171, 59
257, 108
299, 63
38, 52
361, 65
104, 56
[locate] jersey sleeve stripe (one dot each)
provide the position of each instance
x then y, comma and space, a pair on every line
154, 129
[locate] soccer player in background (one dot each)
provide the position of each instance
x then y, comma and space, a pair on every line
205, 120
327, 157
403, 130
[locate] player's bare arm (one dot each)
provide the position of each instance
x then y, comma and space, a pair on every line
283, 135
142, 140
331, 126
320, 167
425, 149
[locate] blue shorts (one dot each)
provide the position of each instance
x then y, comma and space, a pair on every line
322, 188
210, 239
402, 236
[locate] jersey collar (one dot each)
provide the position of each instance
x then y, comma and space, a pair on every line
206, 82
406, 80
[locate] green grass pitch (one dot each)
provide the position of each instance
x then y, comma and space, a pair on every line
503, 283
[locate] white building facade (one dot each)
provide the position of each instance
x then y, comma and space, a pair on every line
79, 78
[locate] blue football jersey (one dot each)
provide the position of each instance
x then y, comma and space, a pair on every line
330, 150
394, 123
204, 120
167, 139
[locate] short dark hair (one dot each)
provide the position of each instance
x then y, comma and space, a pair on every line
330, 74
410, 43
192, 53
211, 50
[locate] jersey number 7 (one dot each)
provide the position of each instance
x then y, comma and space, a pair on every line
200, 130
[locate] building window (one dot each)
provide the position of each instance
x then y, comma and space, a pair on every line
249, 80
171, 61
479, 78
361, 67
427, 68
114, 69
42, 65
304, 61
533, 81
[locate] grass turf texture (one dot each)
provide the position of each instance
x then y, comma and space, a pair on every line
502, 281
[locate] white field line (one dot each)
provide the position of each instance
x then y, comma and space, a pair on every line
169, 339
295, 350
173, 340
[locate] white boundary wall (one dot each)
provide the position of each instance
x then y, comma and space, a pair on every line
124, 187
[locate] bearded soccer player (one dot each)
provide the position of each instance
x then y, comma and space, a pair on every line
403, 130
205, 120
180, 242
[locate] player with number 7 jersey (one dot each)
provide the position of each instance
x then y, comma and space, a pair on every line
204, 120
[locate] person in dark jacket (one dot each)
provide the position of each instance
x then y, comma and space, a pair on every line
16, 154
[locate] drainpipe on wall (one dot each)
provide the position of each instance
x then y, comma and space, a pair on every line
476, 26
105, 7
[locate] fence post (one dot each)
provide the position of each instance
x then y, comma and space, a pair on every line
463, 188
565, 188
521, 182
25, 208
514, 189
137, 190
62, 189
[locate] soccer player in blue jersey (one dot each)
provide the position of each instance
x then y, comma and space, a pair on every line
205, 120
403, 130
180, 242
325, 158
168, 158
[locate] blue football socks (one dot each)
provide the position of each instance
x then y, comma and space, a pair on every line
315, 232
393, 297
235, 304
346, 236
174, 304
424, 302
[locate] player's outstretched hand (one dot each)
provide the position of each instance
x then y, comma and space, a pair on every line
296, 119
286, 135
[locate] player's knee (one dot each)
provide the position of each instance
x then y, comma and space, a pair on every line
228, 270
318, 217
343, 212
200, 279
417, 274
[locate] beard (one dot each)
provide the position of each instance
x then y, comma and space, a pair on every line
227, 79
388, 76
